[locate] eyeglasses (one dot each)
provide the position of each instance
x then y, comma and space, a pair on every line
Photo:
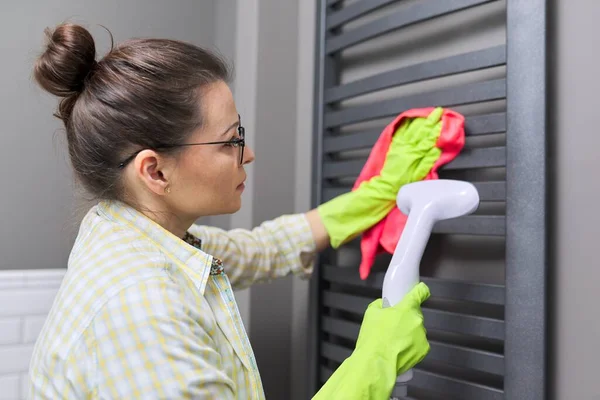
236, 142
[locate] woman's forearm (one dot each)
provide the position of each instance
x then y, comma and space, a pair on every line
317, 227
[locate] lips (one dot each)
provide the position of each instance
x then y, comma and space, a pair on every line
242, 185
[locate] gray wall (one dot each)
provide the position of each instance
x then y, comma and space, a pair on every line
274, 175
574, 69
274, 97
226, 41
307, 25
40, 212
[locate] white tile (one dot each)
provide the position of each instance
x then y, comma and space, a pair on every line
41, 278
32, 326
10, 279
18, 302
10, 387
10, 330
24, 385
15, 359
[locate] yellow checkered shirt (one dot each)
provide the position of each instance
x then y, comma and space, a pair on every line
139, 314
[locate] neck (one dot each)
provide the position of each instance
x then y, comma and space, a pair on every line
170, 221
165, 216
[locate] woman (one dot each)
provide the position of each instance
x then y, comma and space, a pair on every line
146, 309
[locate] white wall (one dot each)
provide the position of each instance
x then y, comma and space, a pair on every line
25, 299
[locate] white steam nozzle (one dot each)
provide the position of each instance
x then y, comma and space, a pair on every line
442, 198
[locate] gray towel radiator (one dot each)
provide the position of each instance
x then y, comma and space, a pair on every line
487, 318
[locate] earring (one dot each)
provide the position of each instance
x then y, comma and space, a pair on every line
168, 189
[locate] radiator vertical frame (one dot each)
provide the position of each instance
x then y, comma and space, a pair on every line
527, 233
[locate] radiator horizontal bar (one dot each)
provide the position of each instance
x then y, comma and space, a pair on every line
346, 302
340, 169
456, 64
353, 141
488, 225
485, 124
465, 291
488, 191
334, 191
419, 12
478, 125
458, 356
469, 159
469, 93
434, 319
353, 11
339, 327
334, 352
478, 158
464, 357
451, 289
398, 393
466, 324
456, 388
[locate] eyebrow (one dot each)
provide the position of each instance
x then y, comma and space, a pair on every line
236, 123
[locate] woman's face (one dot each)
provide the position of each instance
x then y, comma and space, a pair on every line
209, 179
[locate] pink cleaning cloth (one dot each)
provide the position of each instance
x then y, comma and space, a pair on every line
384, 236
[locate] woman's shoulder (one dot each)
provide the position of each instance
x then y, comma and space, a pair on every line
105, 242
107, 256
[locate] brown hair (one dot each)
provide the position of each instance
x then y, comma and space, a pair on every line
145, 93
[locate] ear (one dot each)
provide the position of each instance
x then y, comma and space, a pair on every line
151, 169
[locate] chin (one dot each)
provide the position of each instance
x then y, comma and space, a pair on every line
235, 207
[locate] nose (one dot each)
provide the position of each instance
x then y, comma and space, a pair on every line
248, 155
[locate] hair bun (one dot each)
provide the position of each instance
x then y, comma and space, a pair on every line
69, 57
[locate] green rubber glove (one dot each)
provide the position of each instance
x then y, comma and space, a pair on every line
390, 342
410, 157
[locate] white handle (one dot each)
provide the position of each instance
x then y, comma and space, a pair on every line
403, 273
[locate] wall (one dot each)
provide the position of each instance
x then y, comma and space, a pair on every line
276, 85
227, 13
40, 206
26, 298
307, 27
574, 79
273, 59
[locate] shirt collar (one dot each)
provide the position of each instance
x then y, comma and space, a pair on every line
185, 253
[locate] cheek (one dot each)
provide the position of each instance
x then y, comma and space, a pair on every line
210, 175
